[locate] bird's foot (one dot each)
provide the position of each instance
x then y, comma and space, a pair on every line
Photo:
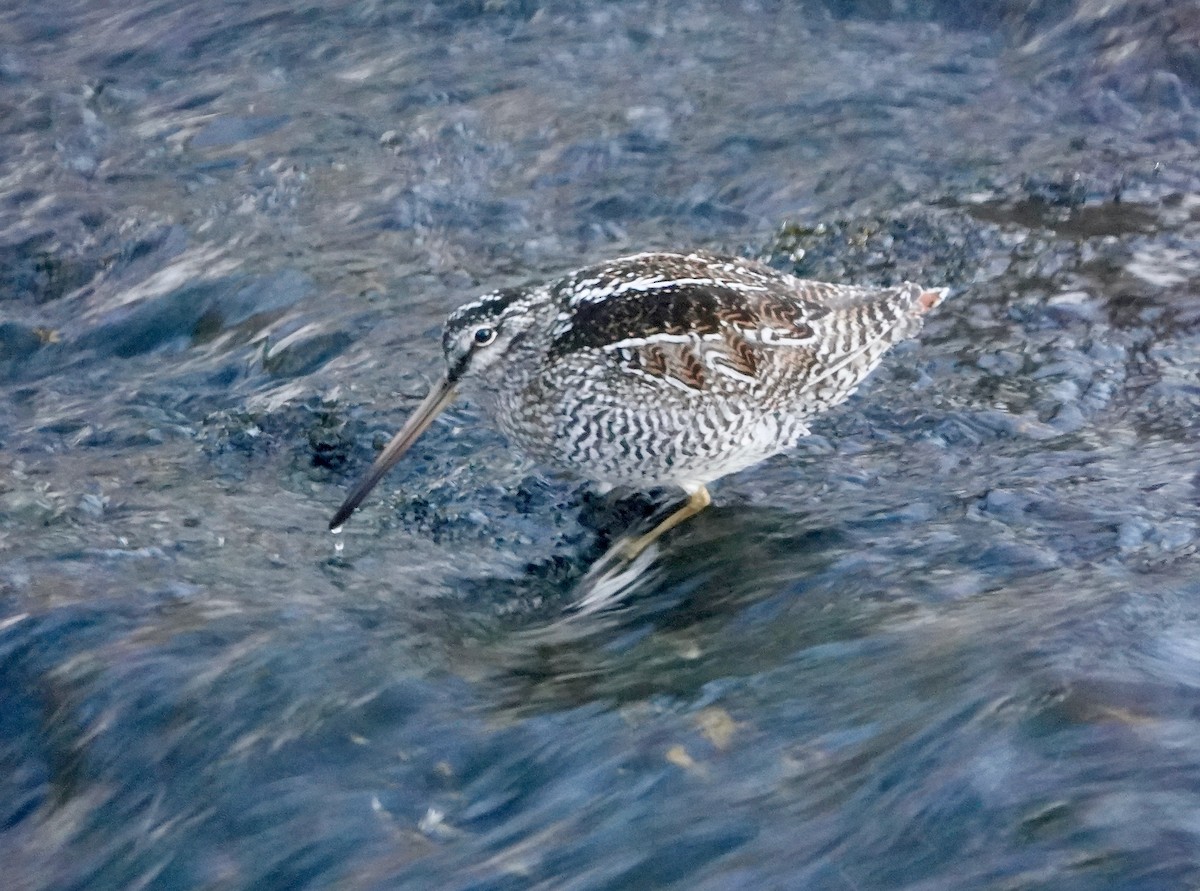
612, 576
628, 558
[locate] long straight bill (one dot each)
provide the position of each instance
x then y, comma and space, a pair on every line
439, 397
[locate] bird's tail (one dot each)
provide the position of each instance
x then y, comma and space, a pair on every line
926, 299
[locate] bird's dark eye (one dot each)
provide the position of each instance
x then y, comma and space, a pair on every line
484, 336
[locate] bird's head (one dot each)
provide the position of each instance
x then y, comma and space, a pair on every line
476, 337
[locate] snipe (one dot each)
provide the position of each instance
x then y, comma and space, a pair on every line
662, 369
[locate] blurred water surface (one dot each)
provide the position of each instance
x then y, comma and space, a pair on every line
953, 641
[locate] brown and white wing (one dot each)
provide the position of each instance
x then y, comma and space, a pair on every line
691, 328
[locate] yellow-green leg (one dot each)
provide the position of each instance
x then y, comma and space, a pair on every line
696, 502
614, 573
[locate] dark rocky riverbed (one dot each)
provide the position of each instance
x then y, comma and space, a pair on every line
953, 641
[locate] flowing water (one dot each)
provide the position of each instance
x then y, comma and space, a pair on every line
953, 641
